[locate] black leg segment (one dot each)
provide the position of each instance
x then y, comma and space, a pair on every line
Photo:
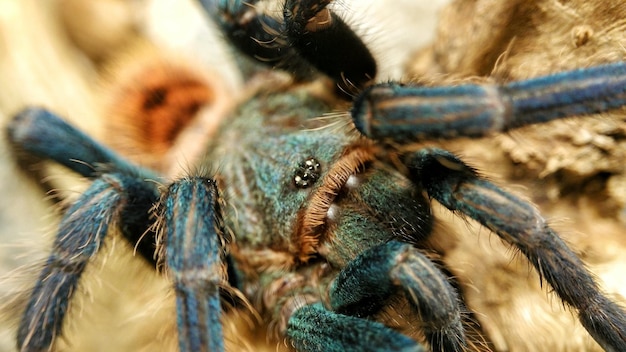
328, 43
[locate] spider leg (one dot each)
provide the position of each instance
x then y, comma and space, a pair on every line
120, 197
311, 36
80, 235
194, 241
314, 328
459, 188
123, 197
364, 286
43, 134
328, 43
256, 34
411, 113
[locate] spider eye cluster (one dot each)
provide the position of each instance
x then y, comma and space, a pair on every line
307, 173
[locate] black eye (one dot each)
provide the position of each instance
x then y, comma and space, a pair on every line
307, 173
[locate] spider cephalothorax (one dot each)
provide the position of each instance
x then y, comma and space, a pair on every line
317, 226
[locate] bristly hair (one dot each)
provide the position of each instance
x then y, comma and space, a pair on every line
311, 220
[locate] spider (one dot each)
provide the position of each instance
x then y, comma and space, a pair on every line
318, 226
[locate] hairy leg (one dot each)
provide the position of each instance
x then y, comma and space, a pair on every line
459, 188
194, 253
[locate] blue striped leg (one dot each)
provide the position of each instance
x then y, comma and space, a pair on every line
41, 133
80, 236
411, 113
459, 188
120, 197
194, 251
361, 290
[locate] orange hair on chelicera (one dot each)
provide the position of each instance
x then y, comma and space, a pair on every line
311, 221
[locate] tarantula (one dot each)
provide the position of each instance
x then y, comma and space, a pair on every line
317, 227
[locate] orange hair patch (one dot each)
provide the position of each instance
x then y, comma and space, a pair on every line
151, 102
311, 223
